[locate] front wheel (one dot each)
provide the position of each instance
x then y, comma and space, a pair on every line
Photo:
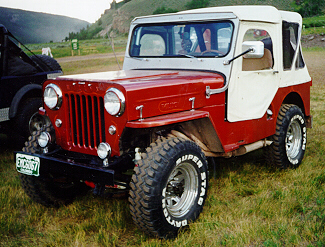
290, 138
169, 187
29, 120
51, 190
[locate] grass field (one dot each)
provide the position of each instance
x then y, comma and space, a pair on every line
248, 203
86, 47
91, 65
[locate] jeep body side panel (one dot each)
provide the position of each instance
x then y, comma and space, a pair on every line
232, 135
252, 91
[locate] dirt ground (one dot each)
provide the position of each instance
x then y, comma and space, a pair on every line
313, 40
87, 57
316, 65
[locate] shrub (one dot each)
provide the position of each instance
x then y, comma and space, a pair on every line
195, 4
163, 10
308, 8
318, 21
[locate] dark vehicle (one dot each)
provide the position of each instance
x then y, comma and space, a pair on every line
21, 79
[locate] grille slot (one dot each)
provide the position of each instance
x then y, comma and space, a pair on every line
87, 123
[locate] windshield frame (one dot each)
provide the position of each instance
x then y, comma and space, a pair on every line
172, 43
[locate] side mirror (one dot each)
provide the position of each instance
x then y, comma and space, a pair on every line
257, 49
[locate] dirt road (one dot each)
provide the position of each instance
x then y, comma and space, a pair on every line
87, 57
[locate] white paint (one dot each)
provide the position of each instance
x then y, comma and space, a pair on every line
47, 51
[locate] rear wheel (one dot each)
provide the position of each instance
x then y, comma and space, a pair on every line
169, 187
290, 138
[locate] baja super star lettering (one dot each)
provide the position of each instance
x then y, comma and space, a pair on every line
304, 137
198, 162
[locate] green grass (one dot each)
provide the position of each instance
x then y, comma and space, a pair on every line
94, 46
313, 49
248, 203
314, 25
315, 21
92, 65
313, 30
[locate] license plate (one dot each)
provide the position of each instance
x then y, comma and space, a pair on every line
27, 164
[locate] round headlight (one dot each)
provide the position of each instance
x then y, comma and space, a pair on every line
114, 102
52, 96
103, 150
44, 139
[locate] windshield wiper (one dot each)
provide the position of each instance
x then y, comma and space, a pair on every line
140, 58
190, 56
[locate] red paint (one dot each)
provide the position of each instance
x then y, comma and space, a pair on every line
90, 184
165, 96
167, 119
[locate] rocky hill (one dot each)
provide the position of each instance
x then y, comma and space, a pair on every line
34, 27
118, 20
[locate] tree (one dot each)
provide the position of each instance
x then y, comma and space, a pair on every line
195, 4
163, 10
309, 8
113, 5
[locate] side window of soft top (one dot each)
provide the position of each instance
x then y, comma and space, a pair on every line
290, 45
265, 62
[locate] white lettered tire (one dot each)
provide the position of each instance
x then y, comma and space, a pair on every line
169, 187
290, 138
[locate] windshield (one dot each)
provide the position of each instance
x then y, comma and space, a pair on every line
197, 39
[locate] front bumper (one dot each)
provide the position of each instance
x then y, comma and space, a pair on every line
72, 169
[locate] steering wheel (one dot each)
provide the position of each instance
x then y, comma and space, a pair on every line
213, 51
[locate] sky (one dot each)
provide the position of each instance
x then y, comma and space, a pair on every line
88, 10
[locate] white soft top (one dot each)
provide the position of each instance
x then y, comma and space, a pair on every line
261, 13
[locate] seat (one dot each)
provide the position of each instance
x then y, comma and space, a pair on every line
265, 62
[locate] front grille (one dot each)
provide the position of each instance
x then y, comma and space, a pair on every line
87, 123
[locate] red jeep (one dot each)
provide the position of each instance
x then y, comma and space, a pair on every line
195, 84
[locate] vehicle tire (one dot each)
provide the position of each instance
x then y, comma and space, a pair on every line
53, 190
290, 138
169, 187
46, 63
29, 120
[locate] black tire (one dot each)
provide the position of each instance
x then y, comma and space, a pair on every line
28, 120
169, 187
52, 190
46, 63
290, 138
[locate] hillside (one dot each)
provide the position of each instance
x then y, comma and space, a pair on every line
34, 27
119, 20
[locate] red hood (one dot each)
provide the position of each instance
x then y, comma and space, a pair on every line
159, 91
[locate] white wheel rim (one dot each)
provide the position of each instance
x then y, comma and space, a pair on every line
181, 189
293, 139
